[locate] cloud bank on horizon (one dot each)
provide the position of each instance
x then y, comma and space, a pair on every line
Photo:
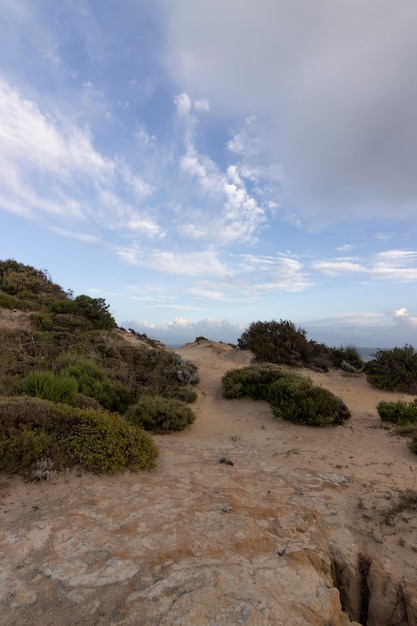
202, 165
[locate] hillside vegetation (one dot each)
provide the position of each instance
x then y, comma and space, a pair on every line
76, 389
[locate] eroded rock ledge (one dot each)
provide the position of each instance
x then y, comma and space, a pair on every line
220, 545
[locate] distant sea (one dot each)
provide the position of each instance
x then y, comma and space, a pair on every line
367, 354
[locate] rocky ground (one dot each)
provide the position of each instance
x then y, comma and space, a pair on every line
246, 520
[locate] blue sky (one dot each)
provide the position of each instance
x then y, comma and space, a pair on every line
205, 164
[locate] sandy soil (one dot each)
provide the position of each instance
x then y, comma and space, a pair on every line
351, 473
376, 463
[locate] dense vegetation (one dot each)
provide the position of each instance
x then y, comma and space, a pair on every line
291, 396
74, 390
281, 342
66, 361
34, 430
395, 370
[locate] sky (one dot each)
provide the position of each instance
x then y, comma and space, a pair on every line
204, 164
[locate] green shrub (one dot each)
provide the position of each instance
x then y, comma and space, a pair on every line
350, 354
31, 429
281, 342
43, 321
8, 302
48, 386
45, 336
185, 394
291, 396
160, 415
104, 442
21, 280
19, 413
299, 401
395, 370
94, 382
96, 311
253, 381
398, 412
22, 450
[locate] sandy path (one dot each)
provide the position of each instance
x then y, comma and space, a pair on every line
376, 463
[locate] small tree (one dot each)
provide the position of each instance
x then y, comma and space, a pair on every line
395, 370
281, 342
96, 310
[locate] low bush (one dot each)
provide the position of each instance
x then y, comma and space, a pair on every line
8, 302
48, 386
349, 354
253, 381
296, 399
398, 412
395, 370
18, 413
185, 394
22, 450
32, 429
291, 396
105, 442
94, 382
160, 415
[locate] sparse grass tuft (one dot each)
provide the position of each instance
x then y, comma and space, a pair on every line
406, 501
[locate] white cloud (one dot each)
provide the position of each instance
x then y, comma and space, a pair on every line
401, 316
279, 273
144, 137
83, 237
339, 267
183, 104
51, 170
203, 263
246, 142
387, 265
180, 330
233, 213
208, 291
202, 105
33, 138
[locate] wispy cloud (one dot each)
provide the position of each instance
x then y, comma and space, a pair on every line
204, 263
224, 208
387, 265
52, 171
278, 273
